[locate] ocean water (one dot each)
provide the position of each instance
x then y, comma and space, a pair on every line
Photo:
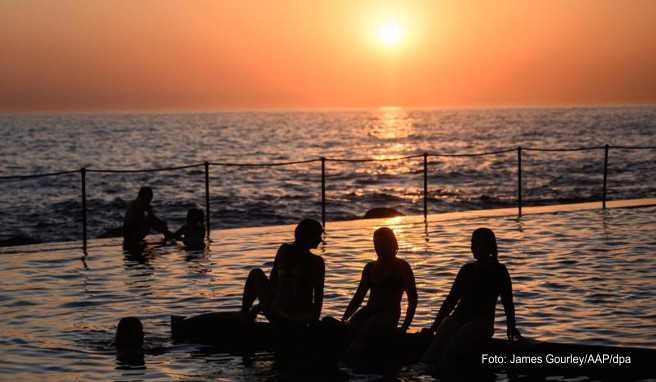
48, 209
584, 277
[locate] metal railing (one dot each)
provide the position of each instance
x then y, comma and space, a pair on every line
206, 165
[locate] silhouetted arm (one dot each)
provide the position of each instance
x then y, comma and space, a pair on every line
318, 289
273, 277
451, 299
358, 297
156, 223
508, 304
411, 292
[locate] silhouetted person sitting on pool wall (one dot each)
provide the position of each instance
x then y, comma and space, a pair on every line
192, 233
292, 296
475, 290
388, 278
140, 220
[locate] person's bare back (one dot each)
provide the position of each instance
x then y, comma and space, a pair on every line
293, 292
296, 274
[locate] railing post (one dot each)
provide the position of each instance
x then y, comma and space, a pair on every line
207, 199
83, 176
603, 194
519, 181
425, 186
323, 192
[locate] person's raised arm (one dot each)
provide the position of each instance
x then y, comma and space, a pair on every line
358, 297
317, 302
451, 299
411, 292
508, 304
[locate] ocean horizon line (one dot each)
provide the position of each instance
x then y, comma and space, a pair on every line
326, 109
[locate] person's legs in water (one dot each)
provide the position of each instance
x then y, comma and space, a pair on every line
257, 286
467, 340
369, 328
445, 332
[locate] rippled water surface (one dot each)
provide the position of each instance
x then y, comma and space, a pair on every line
48, 209
584, 276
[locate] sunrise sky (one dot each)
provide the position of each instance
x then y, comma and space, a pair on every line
222, 55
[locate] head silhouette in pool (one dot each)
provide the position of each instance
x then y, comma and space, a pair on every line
308, 234
385, 244
484, 245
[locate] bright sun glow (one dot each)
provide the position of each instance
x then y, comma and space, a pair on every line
390, 33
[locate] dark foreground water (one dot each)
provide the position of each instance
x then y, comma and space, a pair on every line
585, 277
48, 209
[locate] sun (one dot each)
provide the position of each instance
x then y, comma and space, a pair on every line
390, 33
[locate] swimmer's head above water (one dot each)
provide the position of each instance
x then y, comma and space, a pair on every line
484, 244
308, 233
145, 195
129, 333
385, 243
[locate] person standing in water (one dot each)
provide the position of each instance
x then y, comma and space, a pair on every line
140, 219
475, 291
292, 296
388, 277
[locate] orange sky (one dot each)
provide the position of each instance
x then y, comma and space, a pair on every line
217, 55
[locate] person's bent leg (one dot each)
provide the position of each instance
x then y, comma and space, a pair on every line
468, 340
257, 286
373, 328
444, 334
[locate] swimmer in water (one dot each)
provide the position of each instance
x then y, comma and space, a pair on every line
192, 233
140, 219
292, 296
388, 277
475, 291
129, 341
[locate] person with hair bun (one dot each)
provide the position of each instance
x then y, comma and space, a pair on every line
388, 278
474, 295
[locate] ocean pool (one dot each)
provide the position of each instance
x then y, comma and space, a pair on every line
586, 276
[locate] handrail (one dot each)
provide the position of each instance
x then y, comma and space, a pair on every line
327, 159
119, 171
565, 150
269, 164
502, 151
633, 147
83, 174
362, 160
42, 175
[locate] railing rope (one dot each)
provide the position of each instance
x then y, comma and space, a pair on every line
83, 172
273, 164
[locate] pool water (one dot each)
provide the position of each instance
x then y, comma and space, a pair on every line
582, 276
